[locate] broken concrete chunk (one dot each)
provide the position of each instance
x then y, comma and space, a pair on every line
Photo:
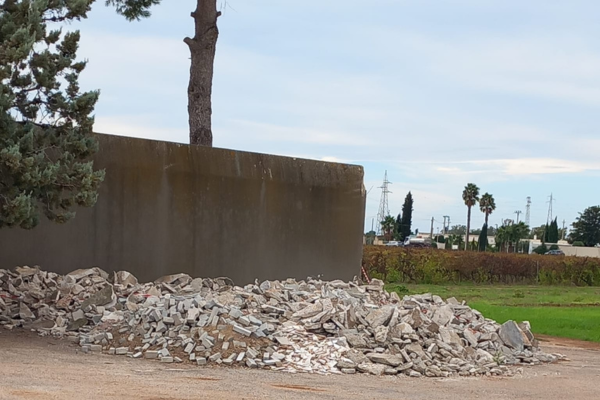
310, 326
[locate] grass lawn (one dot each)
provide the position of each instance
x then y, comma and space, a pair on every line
570, 312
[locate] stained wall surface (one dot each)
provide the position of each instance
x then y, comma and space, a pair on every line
166, 208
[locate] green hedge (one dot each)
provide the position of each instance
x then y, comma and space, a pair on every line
432, 266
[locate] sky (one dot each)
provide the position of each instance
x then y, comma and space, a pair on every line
504, 94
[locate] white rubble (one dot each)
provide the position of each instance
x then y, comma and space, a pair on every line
294, 326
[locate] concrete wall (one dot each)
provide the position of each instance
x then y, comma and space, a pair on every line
167, 208
580, 251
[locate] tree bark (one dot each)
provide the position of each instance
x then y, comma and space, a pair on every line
202, 49
468, 227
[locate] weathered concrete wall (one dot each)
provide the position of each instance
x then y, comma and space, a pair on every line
167, 208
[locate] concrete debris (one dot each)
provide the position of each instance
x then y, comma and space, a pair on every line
308, 326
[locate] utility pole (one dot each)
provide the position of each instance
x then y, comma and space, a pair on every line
446, 224
518, 212
431, 233
564, 231
384, 209
528, 212
549, 218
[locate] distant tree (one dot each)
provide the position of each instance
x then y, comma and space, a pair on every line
487, 205
473, 245
483, 238
458, 230
450, 241
440, 239
370, 237
552, 232
470, 196
518, 232
459, 241
45, 120
508, 236
491, 231
398, 224
387, 226
407, 210
502, 238
538, 232
586, 227
476, 232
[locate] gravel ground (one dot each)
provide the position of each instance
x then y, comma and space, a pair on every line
32, 367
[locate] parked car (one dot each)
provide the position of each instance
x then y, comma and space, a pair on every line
555, 253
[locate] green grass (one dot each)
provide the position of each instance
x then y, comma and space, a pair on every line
570, 312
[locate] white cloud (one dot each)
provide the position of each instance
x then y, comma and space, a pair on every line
555, 66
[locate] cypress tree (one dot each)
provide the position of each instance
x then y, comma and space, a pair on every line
407, 210
483, 239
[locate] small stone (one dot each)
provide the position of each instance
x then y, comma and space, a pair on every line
242, 331
201, 361
166, 360
348, 371
283, 341
121, 351
151, 354
386, 359
373, 369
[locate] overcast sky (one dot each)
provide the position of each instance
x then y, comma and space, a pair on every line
505, 94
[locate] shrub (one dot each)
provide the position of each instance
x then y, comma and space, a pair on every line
423, 265
541, 249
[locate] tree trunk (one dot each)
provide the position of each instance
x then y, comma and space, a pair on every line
486, 218
468, 227
202, 48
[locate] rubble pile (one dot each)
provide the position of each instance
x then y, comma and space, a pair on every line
306, 326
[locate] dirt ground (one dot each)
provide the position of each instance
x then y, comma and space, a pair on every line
32, 367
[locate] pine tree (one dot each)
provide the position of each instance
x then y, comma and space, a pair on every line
586, 229
45, 120
407, 210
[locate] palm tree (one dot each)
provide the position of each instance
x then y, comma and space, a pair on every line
502, 237
470, 197
518, 232
487, 205
387, 226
